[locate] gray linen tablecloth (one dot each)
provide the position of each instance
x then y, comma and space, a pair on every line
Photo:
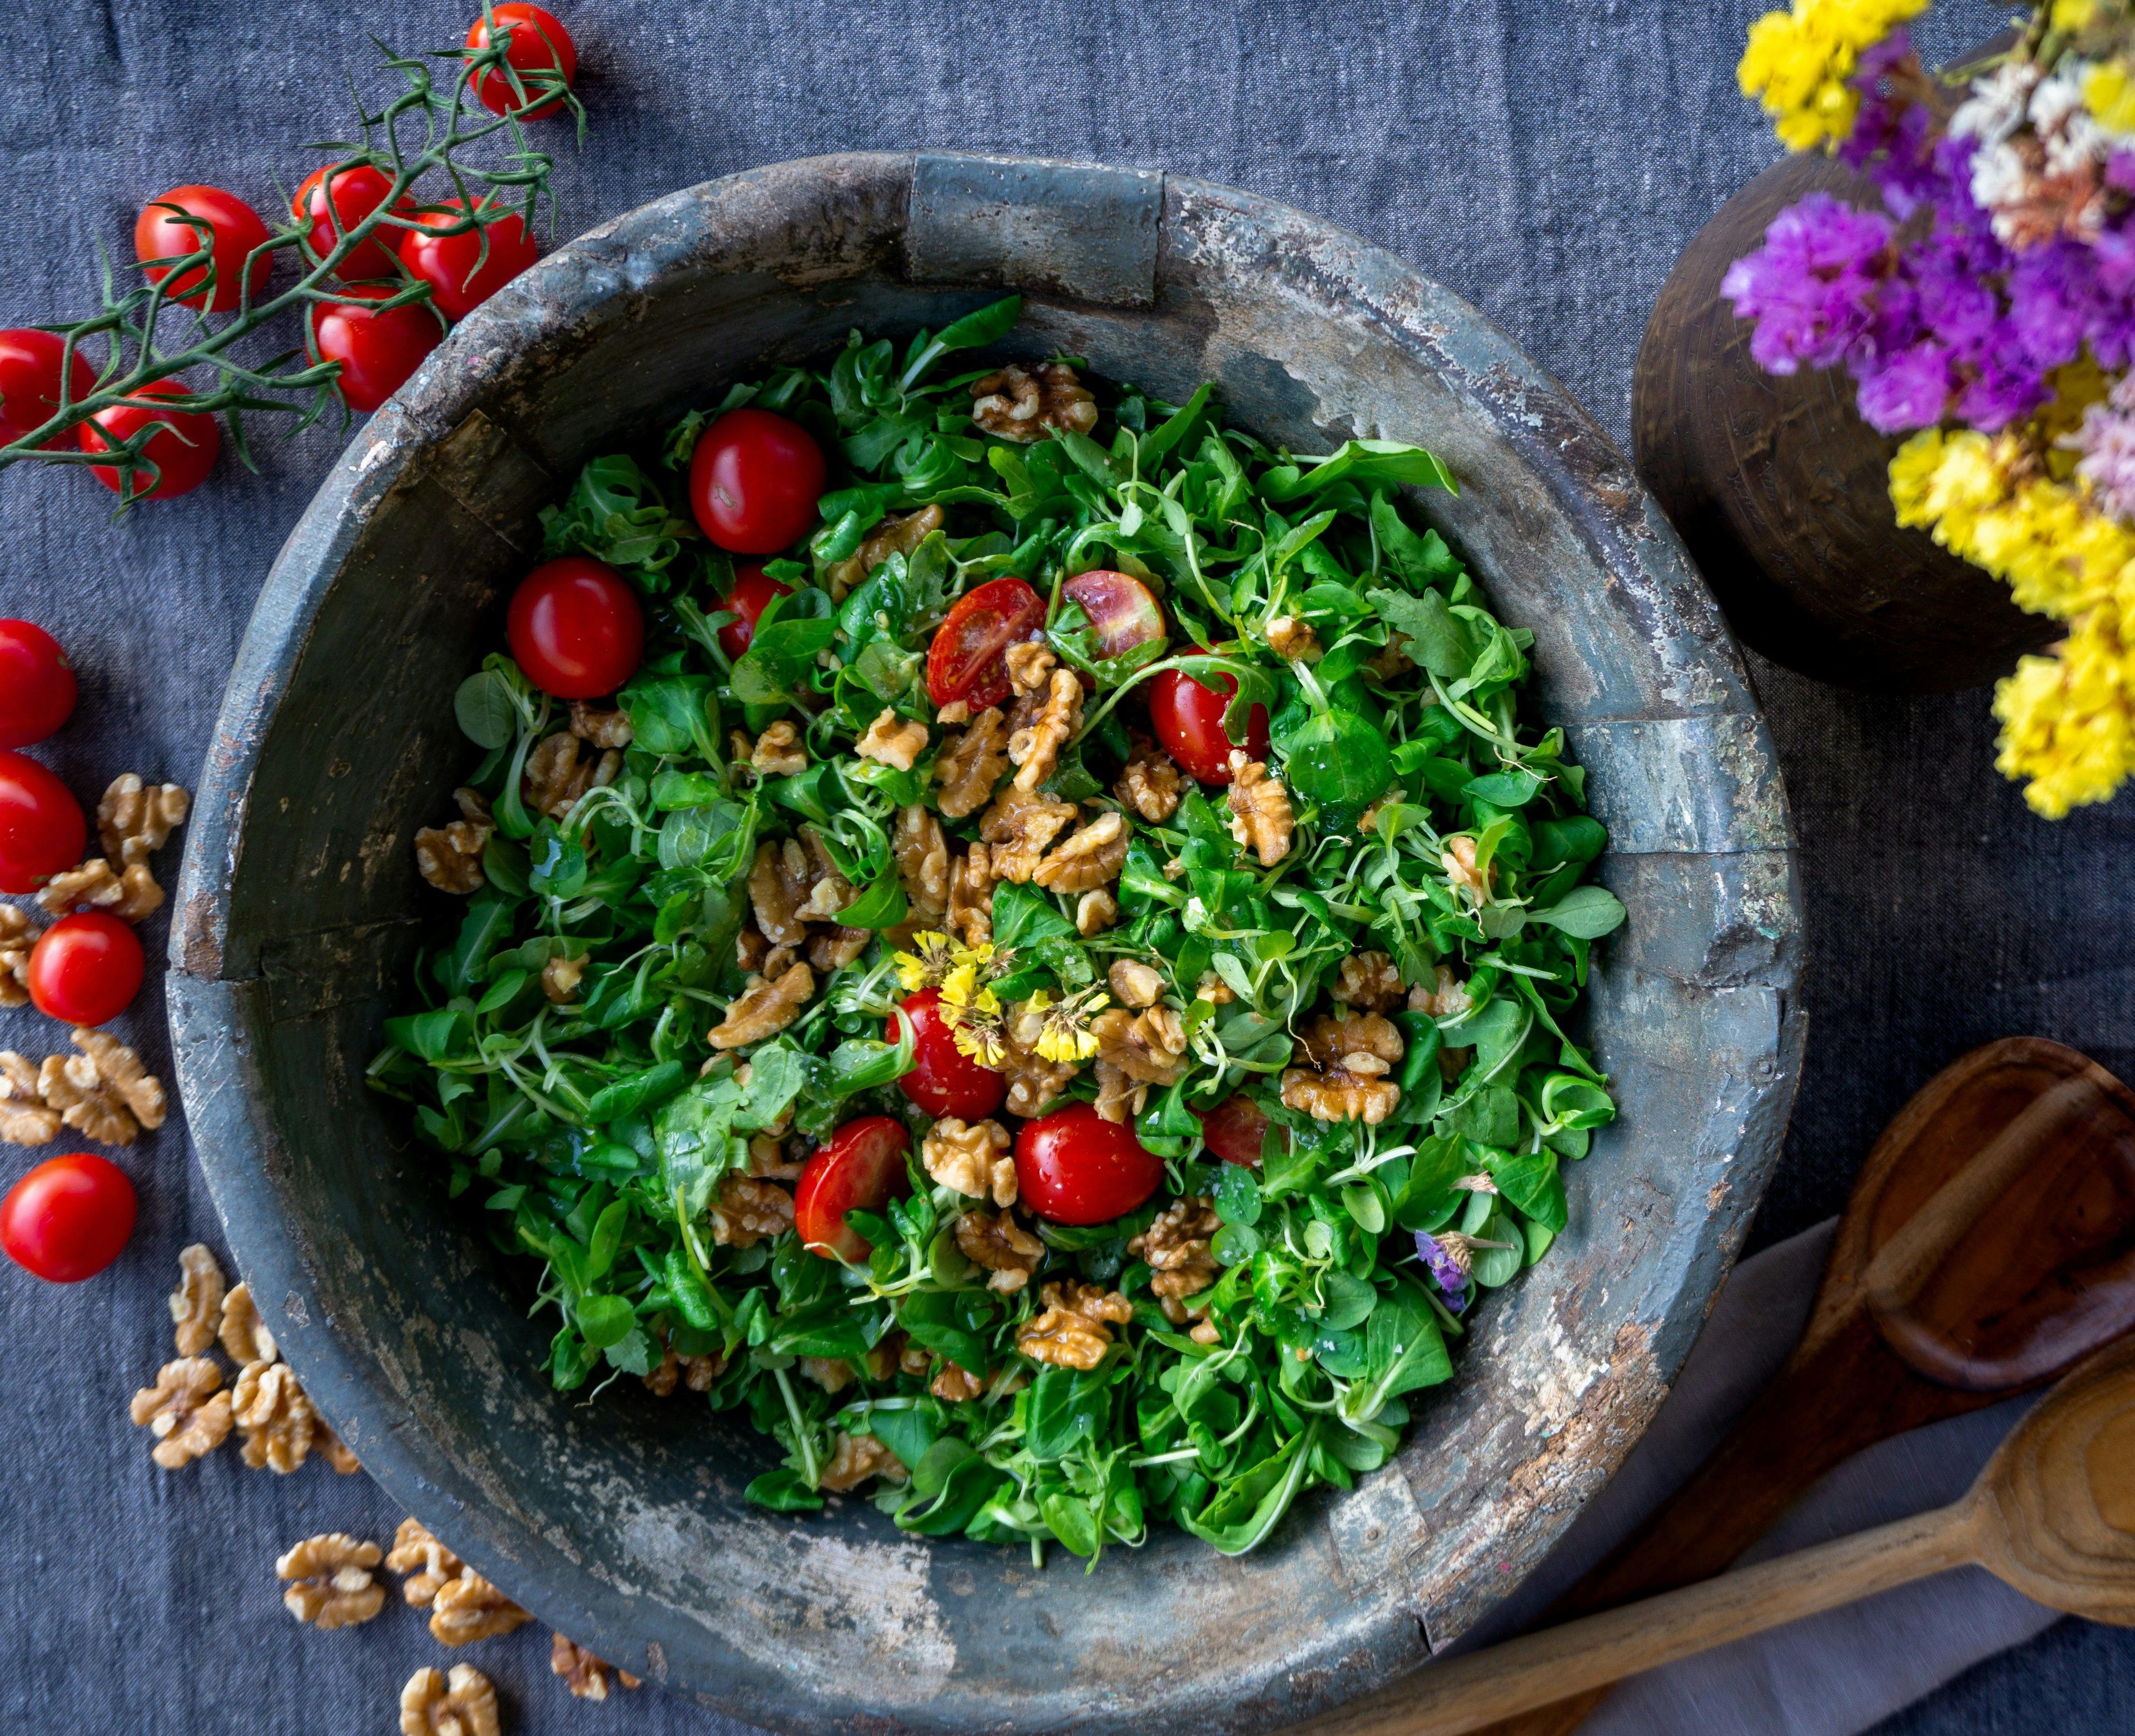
1547, 161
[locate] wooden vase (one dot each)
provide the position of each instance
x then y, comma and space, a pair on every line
1781, 491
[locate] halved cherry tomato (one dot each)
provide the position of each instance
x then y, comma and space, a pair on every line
754, 480
235, 230
944, 1080
449, 264
751, 596
1233, 1130
861, 1169
332, 209
1124, 611
30, 383
539, 43
1188, 718
42, 832
377, 348
575, 628
966, 661
86, 968
182, 450
1074, 1166
37, 684
69, 1218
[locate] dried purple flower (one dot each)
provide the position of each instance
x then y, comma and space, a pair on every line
1811, 287
1445, 1266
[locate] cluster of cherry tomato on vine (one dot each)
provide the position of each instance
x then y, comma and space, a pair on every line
378, 348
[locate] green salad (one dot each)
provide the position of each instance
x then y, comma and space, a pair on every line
1015, 935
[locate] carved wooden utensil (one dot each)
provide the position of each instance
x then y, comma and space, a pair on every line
1988, 1245
2052, 1513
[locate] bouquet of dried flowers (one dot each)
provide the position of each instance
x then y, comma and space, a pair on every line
1987, 312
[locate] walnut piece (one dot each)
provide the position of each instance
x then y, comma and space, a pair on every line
1458, 859
560, 977
1033, 1080
953, 1384
764, 1008
470, 1609
1030, 665
1134, 983
970, 1157
1119, 1097
693, 1374
586, 1675
462, 1704
1369, 981
1148, 1046
18, 934
793, 882
130, 894
186, 1410
1026, 404
1176, 1248
1095, 912
1035, 749
857, 1458
922, 864
449, 857
1070, 1332
557, 776
891, 741
332, 1448
893, 536
135, 819
600, 725
104, 1091
1293, 640
196, 1303
1002, 1245
1261, 819
778, 752
332, 1583
1350, 1053
972, 896
837, 947
1447, 997
1019, 826
1151, 784
1364, 1042
971, 763
1091, 856
427, 1563
25, 1117
276, 1416
746, 1211
245, 1338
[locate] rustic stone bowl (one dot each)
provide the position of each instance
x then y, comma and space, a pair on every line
620, 1523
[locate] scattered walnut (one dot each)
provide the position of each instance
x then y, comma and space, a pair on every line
1033, 1080
1260, 819
837, 947
1148, 1046
833, 1374
745, 1211
857, 1458
1213, 989
332, 1448
434, 1703
1070, 1332
971, 763
893, 536
696, 1374
470, 1609
276, 1416
1151, 784
601, 726
1024, 404
1035, 749
1458, 859
135, 819
427, 1563
560, 977
1293, 640
449, 857
778, 752
196, 1303
1368, 980
333, 1587
922, 864
1096, 911
245, 1338
1134, 983
893, 742
1350, 1055
1092, 856
186, 1410
764, 1008
25, 1117
131, 894
1030, 665
972, 896
1446, 998
970, 1157
556, 777
1392, 661
953, 1384
1002, 1245
1119, 1098
1176, 1247
583, 1674
1019, 826
104, 1091
18, 934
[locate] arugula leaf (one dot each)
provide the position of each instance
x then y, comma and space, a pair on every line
1437, 639
778, 658
1362, 462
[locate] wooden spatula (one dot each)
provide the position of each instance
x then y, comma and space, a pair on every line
2053, 1514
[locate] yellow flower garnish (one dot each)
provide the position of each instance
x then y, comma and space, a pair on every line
1064, 1034
932, 958
963, 993
1797, 63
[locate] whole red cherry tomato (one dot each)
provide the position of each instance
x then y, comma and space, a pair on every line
461, 278
1188, 717
86, 968
751, 595
1233, 1130
30, 383
576, 628
235, 230
965, 661
42, 832
754, 480
37, 684
182, 450
944, 1080
1123, 610
377, 348
861, 1169
1074, 1166
330, 209
68, 1219
539, 43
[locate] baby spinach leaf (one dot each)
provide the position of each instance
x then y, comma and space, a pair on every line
1585, 912
778, 659
484, 709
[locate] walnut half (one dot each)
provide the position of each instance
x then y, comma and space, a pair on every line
1026, 404
764, 1008
972, 1158
332, 1587
104, 1091
196, 1303
1176, 1248
1351, 1054
1261, 817
425, 1561
18, 935
583, 1674
470, 1609
1071, 1332
1002, 1245
463, 1704
186, 1410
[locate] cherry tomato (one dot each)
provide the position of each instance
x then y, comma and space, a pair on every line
182, 450
86, 968
576, 628
461, 279
377, 349
330, 209
1121, 608
1188, 717
944, 1080
1233, 1130
67, 1219
755, 482
1074, 1166
751, 596
235, 230
966, 661
42, 832
539, 43
862, 1169
37, 684
30, 383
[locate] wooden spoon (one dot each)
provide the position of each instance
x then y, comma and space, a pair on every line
2053, 1514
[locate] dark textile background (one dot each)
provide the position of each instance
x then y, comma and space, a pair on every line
1547, 161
